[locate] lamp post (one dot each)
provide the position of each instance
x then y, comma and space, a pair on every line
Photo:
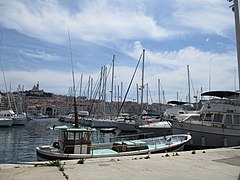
235, 9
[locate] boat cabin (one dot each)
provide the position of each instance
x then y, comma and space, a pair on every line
223, 119
224, 111
75, 140
6, 113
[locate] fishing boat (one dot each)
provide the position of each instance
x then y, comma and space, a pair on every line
76, 143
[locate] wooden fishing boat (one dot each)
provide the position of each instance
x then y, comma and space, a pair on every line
76, 143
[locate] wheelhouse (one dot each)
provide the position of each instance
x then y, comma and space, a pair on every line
75, 140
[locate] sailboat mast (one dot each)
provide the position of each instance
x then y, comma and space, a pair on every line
113, 62
143, 58
189, 93
80, 88
159, 94
74, 90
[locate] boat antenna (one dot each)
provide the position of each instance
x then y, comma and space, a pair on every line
74, 89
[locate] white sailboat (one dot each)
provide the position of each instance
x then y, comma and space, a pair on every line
125, 123
19, 119
6, 118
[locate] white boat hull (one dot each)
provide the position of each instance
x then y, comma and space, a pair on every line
154, 132
129, 127
102, 123
19, 120
208, 136
161, 128
177, 144
86, 122
4, 122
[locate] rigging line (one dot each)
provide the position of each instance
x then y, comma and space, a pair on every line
96, 89
130, 84
4, 76
150, 94
192, 86
5, 82
70, 49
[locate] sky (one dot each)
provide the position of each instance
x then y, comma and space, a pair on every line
41, 40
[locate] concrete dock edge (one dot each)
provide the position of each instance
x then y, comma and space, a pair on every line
220, 164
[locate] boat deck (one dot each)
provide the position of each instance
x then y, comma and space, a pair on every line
134, 145
103, 151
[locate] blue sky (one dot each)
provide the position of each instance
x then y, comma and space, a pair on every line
199, 33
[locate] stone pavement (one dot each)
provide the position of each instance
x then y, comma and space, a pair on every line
219, 164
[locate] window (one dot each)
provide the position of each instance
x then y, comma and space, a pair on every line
228, 119
236, 119
218, 118
208, 117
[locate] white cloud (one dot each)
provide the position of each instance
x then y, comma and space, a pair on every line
97, 21
108, 21
170, 67
50, 81
40, 55
205, 16
121, 22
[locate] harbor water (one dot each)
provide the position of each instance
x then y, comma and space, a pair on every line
18, 143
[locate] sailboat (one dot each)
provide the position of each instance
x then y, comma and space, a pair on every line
5, 118
124, 122
8, 117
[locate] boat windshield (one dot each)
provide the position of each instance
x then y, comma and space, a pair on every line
228, 119
218, 118
236, 119
82, 137
206, 117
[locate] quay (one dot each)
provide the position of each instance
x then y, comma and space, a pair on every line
208, 164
